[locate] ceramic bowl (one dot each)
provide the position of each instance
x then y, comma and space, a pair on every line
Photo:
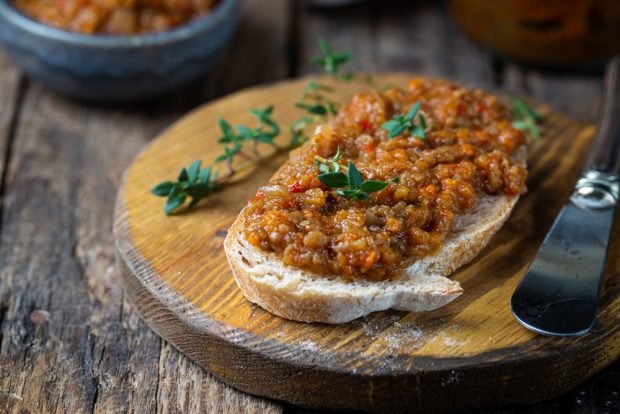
117, 68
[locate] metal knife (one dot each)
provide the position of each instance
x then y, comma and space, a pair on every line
559, 293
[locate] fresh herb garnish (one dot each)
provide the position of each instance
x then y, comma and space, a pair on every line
229, 155
316, 109
331, 61
330, 164
268, 129
400, 123
350, 185
525, 118
196, 183
312, 87
234, 138
298, 136
192, 182
369, 78
334, 179
314, 99
264, 133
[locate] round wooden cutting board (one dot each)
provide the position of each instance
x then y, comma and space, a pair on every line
471, 353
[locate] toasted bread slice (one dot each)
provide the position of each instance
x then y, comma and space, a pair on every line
299, 295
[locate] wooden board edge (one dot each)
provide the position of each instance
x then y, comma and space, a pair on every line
395, 391
354, 391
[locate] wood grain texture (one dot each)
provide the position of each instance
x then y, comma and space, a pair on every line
11, 86
468, 354
69, 340
401, 36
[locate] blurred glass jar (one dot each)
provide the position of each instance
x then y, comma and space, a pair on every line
543, 32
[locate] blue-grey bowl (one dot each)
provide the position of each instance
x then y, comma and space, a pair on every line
117, 68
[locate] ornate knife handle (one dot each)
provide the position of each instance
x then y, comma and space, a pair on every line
599, 186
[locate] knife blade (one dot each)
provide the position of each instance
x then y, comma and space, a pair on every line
559, 293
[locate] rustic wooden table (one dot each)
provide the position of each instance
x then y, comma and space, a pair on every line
69, 341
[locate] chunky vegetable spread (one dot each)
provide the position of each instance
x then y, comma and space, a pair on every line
119, 17
467, 151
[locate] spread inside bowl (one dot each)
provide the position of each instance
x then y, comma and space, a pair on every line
114, 17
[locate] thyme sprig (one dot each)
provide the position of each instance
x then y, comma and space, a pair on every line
321, 108
196, 183
400, 123
370, 80
234, 138
331, 164
332, 61
313, 87
525, 118
352, 185
193, 182
298, 128
348, 181
315, 102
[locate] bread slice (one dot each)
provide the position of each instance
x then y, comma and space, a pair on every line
299, 295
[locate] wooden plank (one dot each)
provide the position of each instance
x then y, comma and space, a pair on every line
577, 96
10, 91
70, 342
9, 86
571, 93
416, 37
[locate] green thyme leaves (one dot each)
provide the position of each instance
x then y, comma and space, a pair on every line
298, 137
358, 189
229, 155
193, 182
196, 183
350, 185
334, 179
330, 164
525, 118
401, 123
313, 87
371, 186
354, 176
268, 128
369, 78
233, 139
314, 101
265, 132
332, 61
316, 109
